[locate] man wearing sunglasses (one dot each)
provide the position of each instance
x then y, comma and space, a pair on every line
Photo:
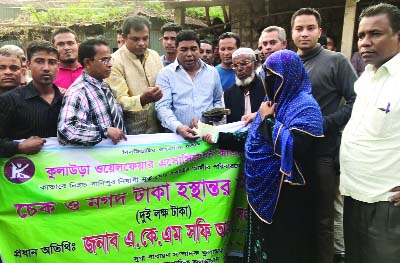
89, 112
169, 31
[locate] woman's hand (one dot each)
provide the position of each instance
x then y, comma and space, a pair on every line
267, 108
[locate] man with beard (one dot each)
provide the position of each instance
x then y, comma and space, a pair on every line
90, 112
133, 77
246, 95
69, 69
169, 31
189, 87
332, 78
11, 71
31, 112
227, 43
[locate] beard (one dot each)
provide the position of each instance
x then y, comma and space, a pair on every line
246, 81
69, 60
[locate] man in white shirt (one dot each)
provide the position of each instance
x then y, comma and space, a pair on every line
369, 155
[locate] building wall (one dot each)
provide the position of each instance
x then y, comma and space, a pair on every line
253, 16
250, 17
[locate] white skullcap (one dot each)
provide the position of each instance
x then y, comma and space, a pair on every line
244, 51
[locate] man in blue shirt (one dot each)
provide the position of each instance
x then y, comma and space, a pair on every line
189, 87
227, 44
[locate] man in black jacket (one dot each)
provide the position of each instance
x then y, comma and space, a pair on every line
246, 95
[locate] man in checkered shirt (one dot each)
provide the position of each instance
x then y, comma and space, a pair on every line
89, 112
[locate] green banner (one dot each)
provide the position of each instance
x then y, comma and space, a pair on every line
168, 201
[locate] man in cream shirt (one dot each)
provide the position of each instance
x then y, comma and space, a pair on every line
370, 150
133, 77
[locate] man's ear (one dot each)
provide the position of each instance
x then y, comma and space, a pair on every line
284, 43
86, 62
28, 64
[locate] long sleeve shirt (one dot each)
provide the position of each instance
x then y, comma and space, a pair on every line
129, 79
85, 114
24, 114
183, 98
332, 78
369, 154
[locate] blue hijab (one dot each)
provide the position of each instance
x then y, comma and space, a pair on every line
268, 166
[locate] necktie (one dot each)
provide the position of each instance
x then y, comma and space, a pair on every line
118, 121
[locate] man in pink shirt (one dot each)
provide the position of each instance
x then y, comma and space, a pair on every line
69, 69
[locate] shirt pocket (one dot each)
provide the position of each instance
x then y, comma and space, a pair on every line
379, 122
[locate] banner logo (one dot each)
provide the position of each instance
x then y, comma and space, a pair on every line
19, 170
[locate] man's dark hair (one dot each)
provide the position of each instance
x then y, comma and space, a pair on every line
205, 41
307, 11
323, 40
170, 27
63, 31
230, 35
392, 12
333, 39
187, 35
40, 45
137, 23
87, 49
217, 21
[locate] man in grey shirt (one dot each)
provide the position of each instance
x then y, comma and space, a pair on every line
332, 78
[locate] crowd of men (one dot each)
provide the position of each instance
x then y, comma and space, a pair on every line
82, 93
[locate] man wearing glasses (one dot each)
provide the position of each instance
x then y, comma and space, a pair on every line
89, 112
246, 95
169, 31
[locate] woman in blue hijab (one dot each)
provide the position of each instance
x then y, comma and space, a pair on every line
278, 148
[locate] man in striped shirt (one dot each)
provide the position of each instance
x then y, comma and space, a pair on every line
30, 112
89, 112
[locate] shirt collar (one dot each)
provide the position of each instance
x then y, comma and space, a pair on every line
93, 81
177, 66
146, 53
391, 66
78, 68
31, 92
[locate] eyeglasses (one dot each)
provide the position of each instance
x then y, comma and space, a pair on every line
105, 60
241, 64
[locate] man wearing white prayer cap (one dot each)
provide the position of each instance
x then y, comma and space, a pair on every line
246, 95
